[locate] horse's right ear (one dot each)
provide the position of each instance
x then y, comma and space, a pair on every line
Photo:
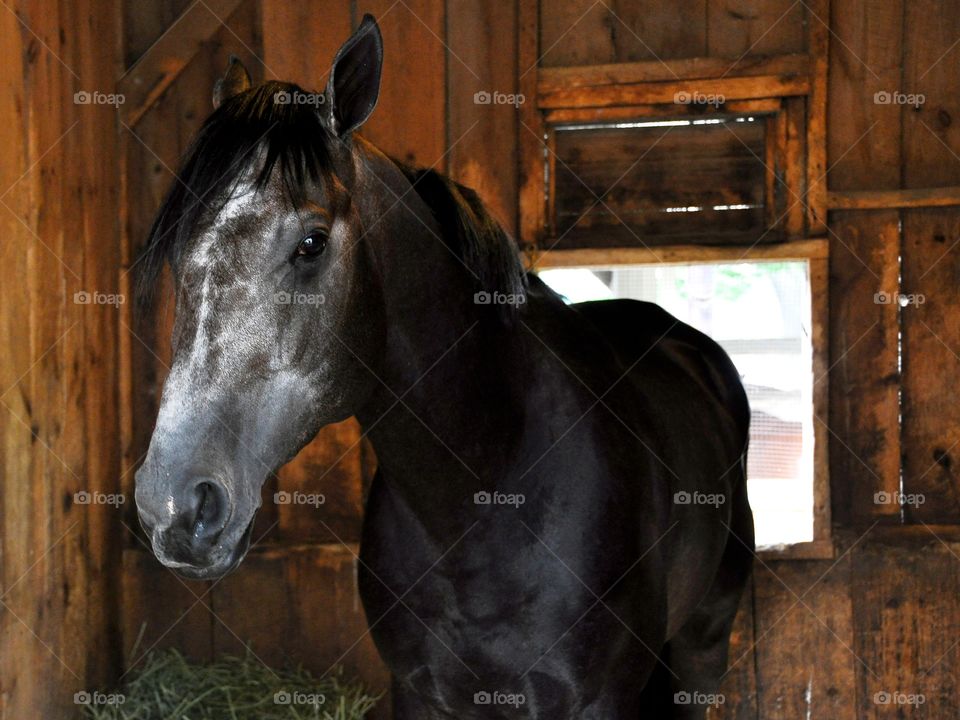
354, 84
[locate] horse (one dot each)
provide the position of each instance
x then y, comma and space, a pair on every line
558, 527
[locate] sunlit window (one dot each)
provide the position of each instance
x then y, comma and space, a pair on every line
760, 313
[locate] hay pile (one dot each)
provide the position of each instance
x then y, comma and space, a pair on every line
170, 688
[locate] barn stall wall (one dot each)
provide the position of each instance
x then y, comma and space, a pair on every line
59, 402
815, 637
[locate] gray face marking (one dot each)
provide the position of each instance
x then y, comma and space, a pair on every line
253, 379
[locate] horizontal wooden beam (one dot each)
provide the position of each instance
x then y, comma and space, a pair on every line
590, 257
879, 199
617, 113
148, 78
700, 79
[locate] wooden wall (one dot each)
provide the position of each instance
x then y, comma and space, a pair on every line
59, 605
82, 597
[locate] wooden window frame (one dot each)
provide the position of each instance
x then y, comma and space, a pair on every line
790, 89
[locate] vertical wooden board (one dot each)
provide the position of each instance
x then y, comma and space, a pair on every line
161, 610
299, 43
805, 663
410, 120
572, 32
737, 28
145, 23
320, 492
483, 137
307, 612
906, 628
255, 609
739, 684
530, 131
931, 133
931, 364
794, 172
864, 406
818, 43
91, 582
863, 137
653, 30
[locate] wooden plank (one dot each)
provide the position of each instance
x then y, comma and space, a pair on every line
743, 28
57, 420
568, 32
794, 167
300, 43
163, 62
931, 343
555, 79
530, 129
864, 139
731, 88
739, 683
559, 116
653, 30
875, 199
316, 620
820, 342
320, 491
590, 257
818, 44
863, 424
410, 119
482, 138
931, 137
161, 610
804, 636
144, 23
930, 337
905, 630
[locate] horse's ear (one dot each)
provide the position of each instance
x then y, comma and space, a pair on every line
354, 84
234, 81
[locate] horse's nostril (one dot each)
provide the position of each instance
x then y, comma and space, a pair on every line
210, 512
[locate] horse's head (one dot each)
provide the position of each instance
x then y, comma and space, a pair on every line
277, 314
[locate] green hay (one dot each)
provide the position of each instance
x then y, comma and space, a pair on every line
170, 688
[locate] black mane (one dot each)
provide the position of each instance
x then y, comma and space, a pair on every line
251, 128
470, 231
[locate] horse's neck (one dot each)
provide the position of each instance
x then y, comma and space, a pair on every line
442, 409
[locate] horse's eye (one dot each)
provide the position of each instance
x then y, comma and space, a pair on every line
312, 245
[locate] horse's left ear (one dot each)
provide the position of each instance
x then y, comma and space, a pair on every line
354, 84
234, 81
